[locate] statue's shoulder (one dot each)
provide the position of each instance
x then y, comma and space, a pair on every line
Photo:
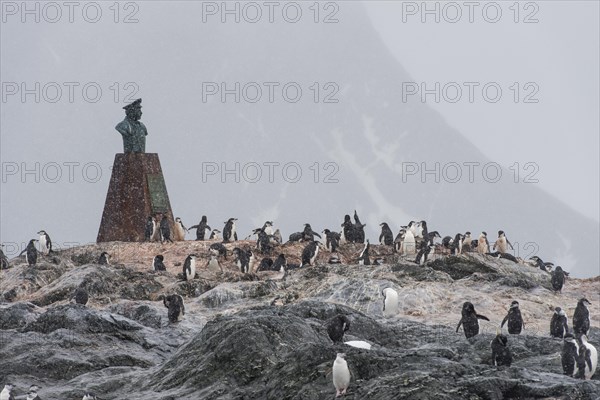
123, 125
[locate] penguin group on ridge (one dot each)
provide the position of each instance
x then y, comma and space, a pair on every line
579, 357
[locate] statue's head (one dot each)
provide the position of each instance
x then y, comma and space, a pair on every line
134, 110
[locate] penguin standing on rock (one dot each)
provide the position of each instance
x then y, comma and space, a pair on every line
581, 317
180, 230
31, 253
150, 229
332, 240
45, 242
569, 355
558, 279
341, 375
558, 324
218, 249
483, 246
501, 354
32, 393
308, 235
424, 249
201, 228
213, 264
215, 234
104, 258
469, 320
6, 393
242, 260
189, 267
174, 303
390, 302
363, 258
386, 236
277, 236
279, 262
158, 263
588, 359
409, 244
502, 243
359, 229
310, 252
80, 296
467, 240
229, 233
348, 234
337, 326
514, 318
165, 230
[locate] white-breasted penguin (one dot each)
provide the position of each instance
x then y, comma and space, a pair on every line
332, 240
180, 230
45, 242
32, 393
588, 358
363, 257
409, 246
218, 249
242, 260
150, 230
502, 243
6, 393
334, 258
31, 253
229, 233
514, 318
104, 258
386, 237
483, 246
213, 264
189, 267
558, 324
215, 235
467, 240
399, 239
309, 254
390, 302
569, 355
158, 263
277, 236
341, 375
581, 317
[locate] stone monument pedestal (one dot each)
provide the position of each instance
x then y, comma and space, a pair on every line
137, 190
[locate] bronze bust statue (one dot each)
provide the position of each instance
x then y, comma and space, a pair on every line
132, 129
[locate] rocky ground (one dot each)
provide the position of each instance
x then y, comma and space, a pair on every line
251, 337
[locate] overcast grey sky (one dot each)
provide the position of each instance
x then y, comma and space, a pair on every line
373, 58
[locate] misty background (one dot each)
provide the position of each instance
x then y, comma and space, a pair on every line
369, 139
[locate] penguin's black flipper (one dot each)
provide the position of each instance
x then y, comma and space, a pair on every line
482, 317
459, 324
